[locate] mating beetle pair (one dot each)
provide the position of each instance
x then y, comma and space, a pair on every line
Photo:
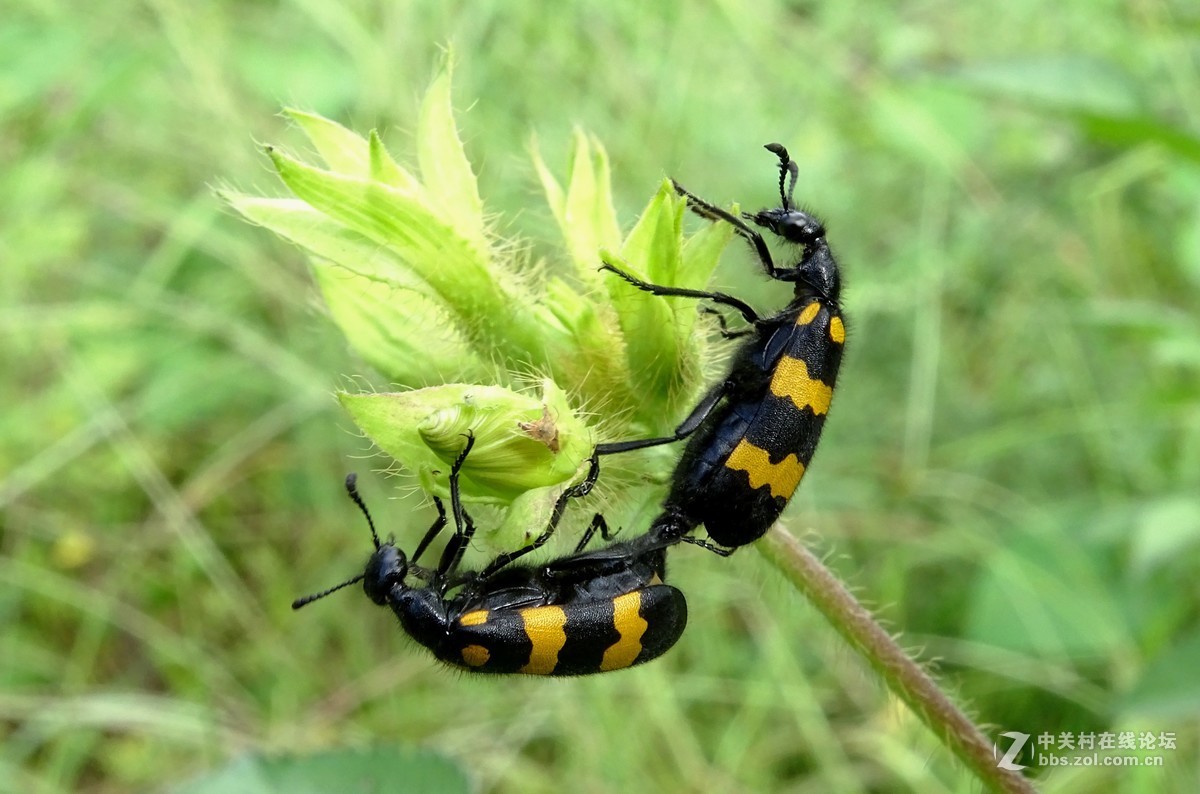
587, 612
750, 439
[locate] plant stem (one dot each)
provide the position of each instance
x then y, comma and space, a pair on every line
903, 675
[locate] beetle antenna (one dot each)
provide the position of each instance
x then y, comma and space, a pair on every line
786, 166
299, 602
352, 490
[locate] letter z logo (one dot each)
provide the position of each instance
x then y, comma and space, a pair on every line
1014, 750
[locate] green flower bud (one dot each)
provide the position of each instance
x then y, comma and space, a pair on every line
521, 442
425, 294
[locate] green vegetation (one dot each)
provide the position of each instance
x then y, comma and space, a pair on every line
1009, 470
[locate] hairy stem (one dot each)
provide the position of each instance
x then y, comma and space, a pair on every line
904, 677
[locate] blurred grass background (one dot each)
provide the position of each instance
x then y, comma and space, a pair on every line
1009, 474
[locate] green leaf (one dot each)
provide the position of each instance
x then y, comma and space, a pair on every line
349, 771
1068, 82
907, 120
1040, 595
1168, 685
1099, 96
1136, 130
1167, 530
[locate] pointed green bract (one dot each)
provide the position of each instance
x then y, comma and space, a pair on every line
341, 149
445, 170
698, 260
495, 312
326, 239
656, 352
386, 170
399, 219
596, 362
585, 213
371, 314
701, 253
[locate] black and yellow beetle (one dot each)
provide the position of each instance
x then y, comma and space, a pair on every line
753, 434
587, 612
